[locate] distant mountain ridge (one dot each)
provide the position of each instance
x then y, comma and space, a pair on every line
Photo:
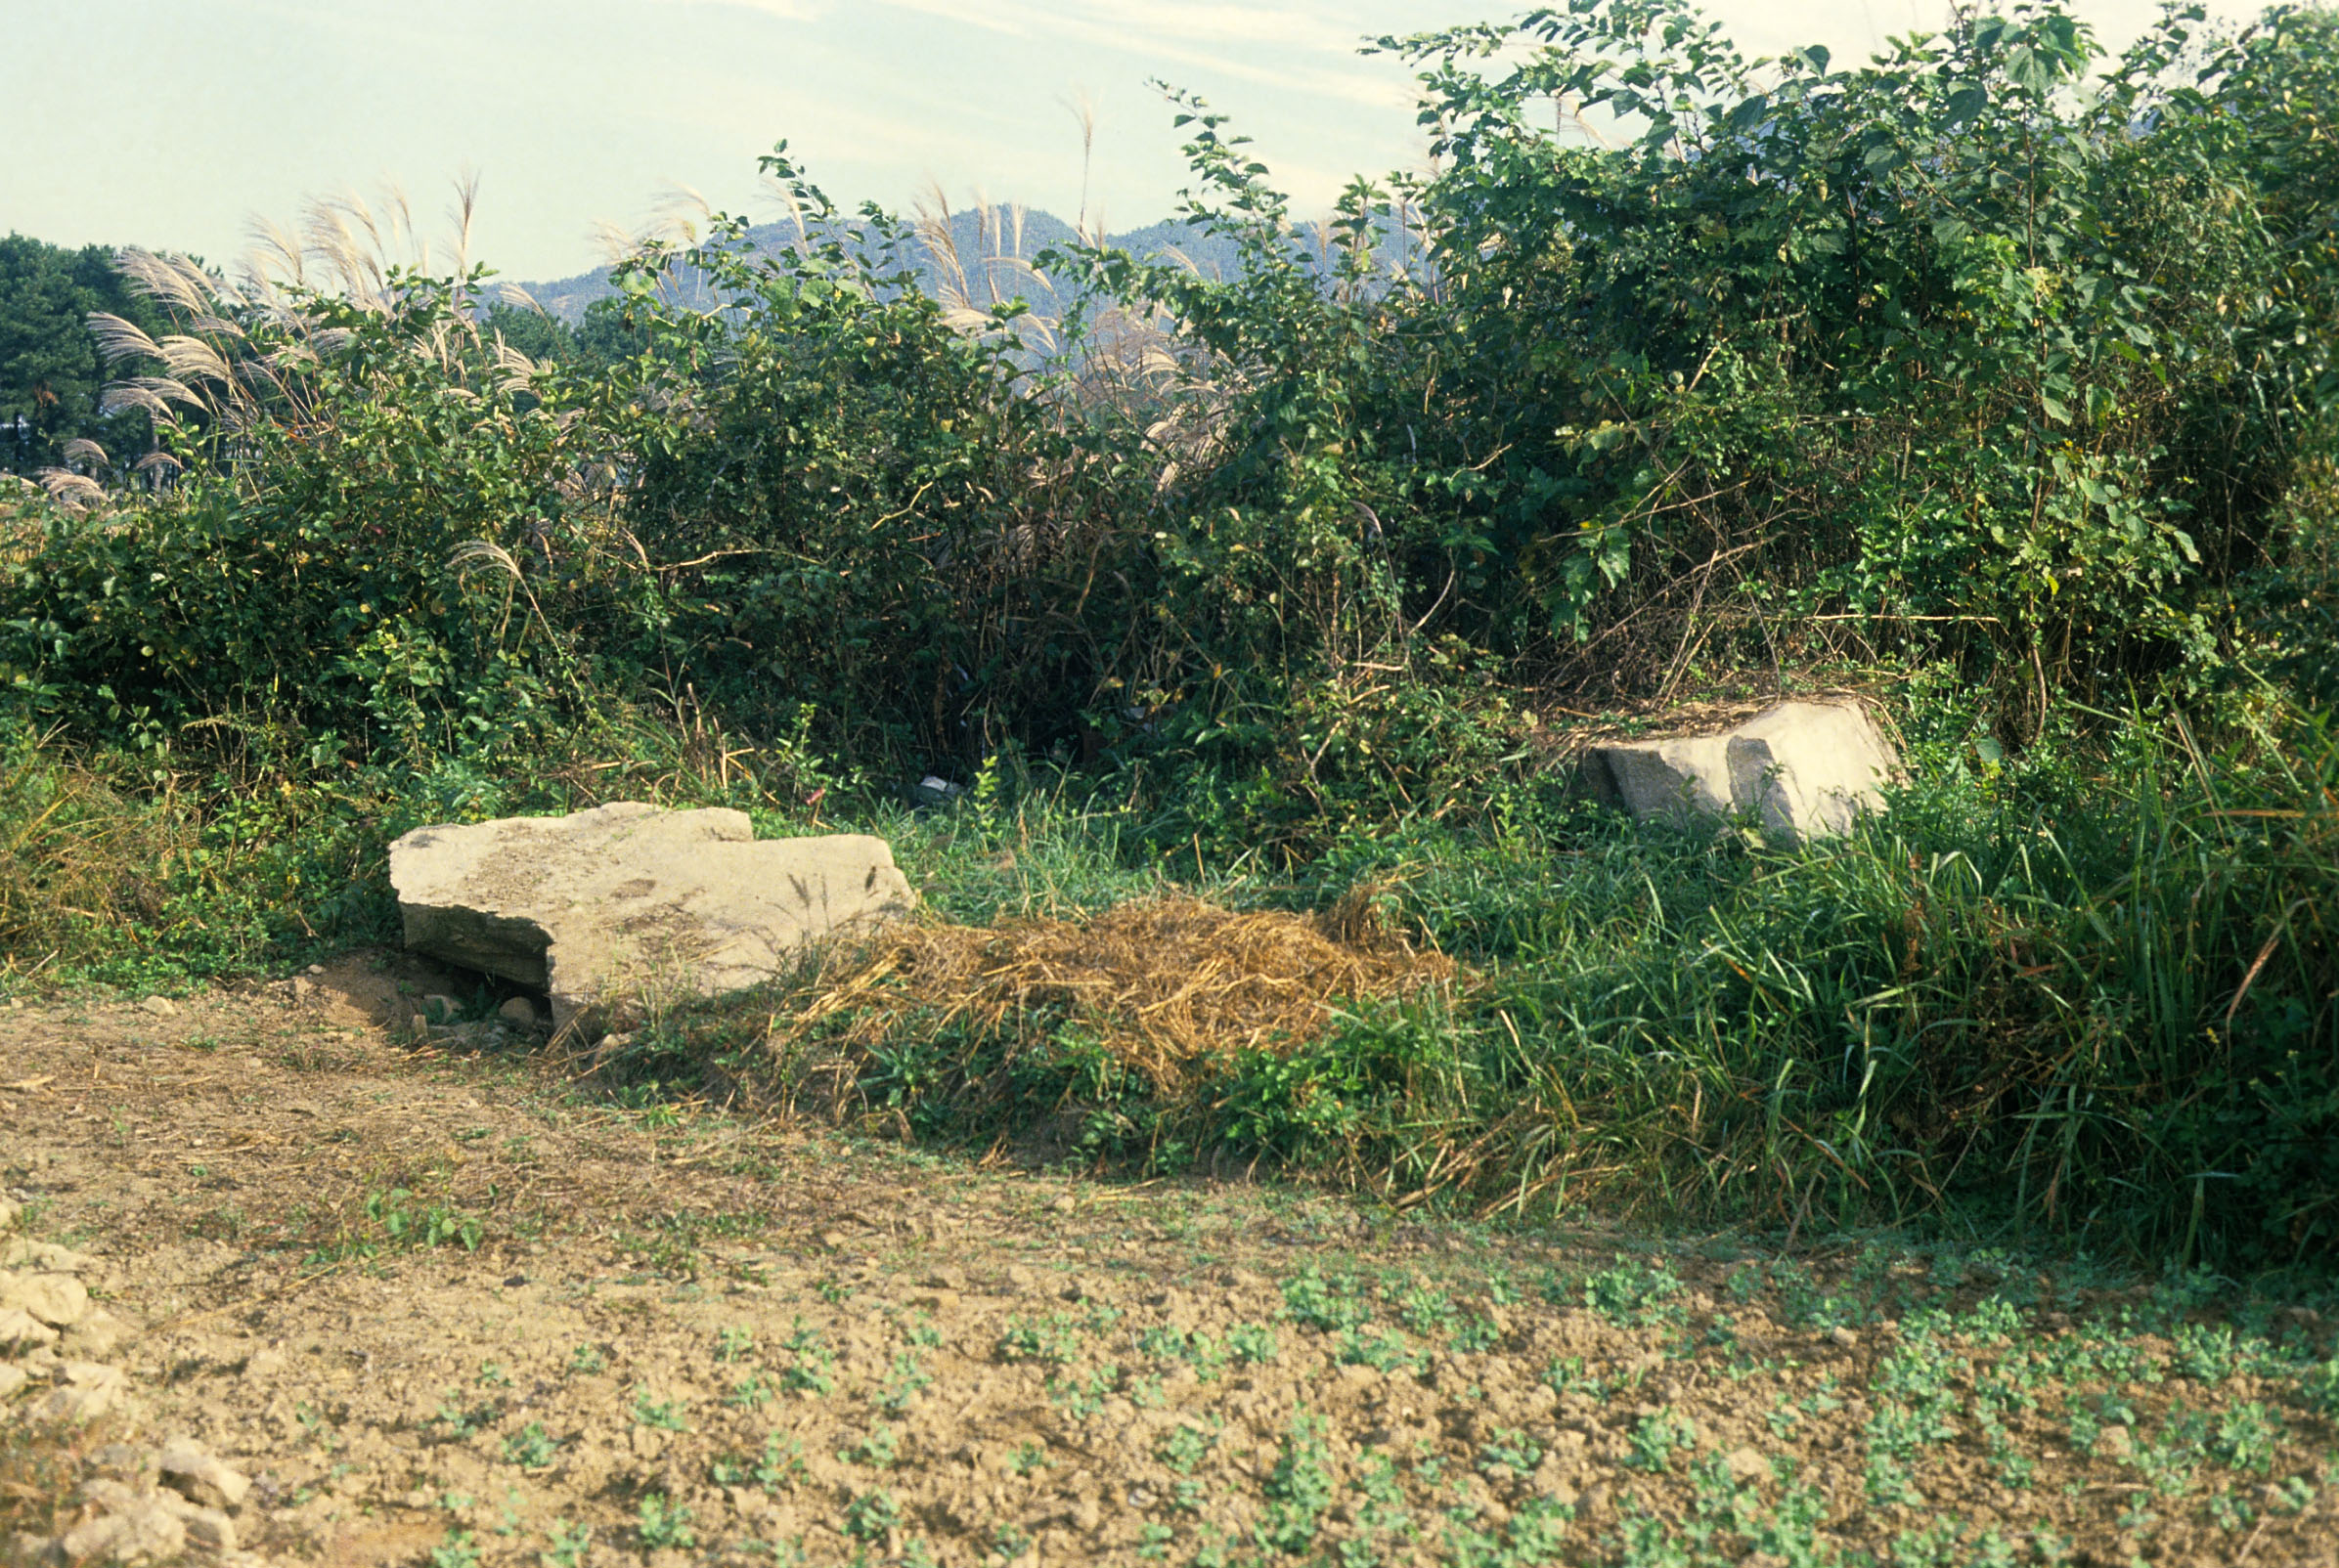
989, 258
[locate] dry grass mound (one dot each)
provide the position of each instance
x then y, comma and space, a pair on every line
1163, 982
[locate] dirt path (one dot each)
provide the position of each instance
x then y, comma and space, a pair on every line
439, 1308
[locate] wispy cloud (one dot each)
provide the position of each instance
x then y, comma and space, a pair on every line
1313, 48
1307, 47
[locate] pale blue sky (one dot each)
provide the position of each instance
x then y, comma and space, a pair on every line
170, 123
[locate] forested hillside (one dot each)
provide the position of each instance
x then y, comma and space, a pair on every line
53, 373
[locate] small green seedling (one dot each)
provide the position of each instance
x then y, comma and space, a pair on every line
662, 1523
531, 1448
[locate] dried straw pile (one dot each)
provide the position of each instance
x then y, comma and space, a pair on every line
1164, 983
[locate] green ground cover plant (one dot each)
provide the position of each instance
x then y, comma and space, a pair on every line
1991, 377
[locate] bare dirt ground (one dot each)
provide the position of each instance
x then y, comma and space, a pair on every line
440, 1306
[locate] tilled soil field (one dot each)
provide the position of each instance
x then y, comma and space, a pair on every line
294, 1286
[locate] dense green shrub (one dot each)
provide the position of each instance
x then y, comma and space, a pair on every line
2292, 602
337, 574
1962, 352
848, 503
1962, 347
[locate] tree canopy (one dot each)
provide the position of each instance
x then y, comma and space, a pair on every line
53, 374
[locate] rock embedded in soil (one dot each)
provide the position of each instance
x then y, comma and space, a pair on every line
87, 1391
56, 1299
191, 1471
1803, 770
122, 1461
209, 1528
145, 1522
628, 899
144, 1531
21, 1331
46, 1257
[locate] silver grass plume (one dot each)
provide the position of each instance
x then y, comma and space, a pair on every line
74, 492
191, 360
174, 281
520, 372
125, 395
119, 339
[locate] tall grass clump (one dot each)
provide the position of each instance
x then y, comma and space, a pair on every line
2107, 1012
78, 862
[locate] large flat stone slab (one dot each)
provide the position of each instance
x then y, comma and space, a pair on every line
607, 906
1803, 770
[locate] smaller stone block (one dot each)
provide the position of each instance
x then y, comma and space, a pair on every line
1803, 770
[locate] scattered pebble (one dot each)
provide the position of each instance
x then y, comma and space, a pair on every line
160, 1007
